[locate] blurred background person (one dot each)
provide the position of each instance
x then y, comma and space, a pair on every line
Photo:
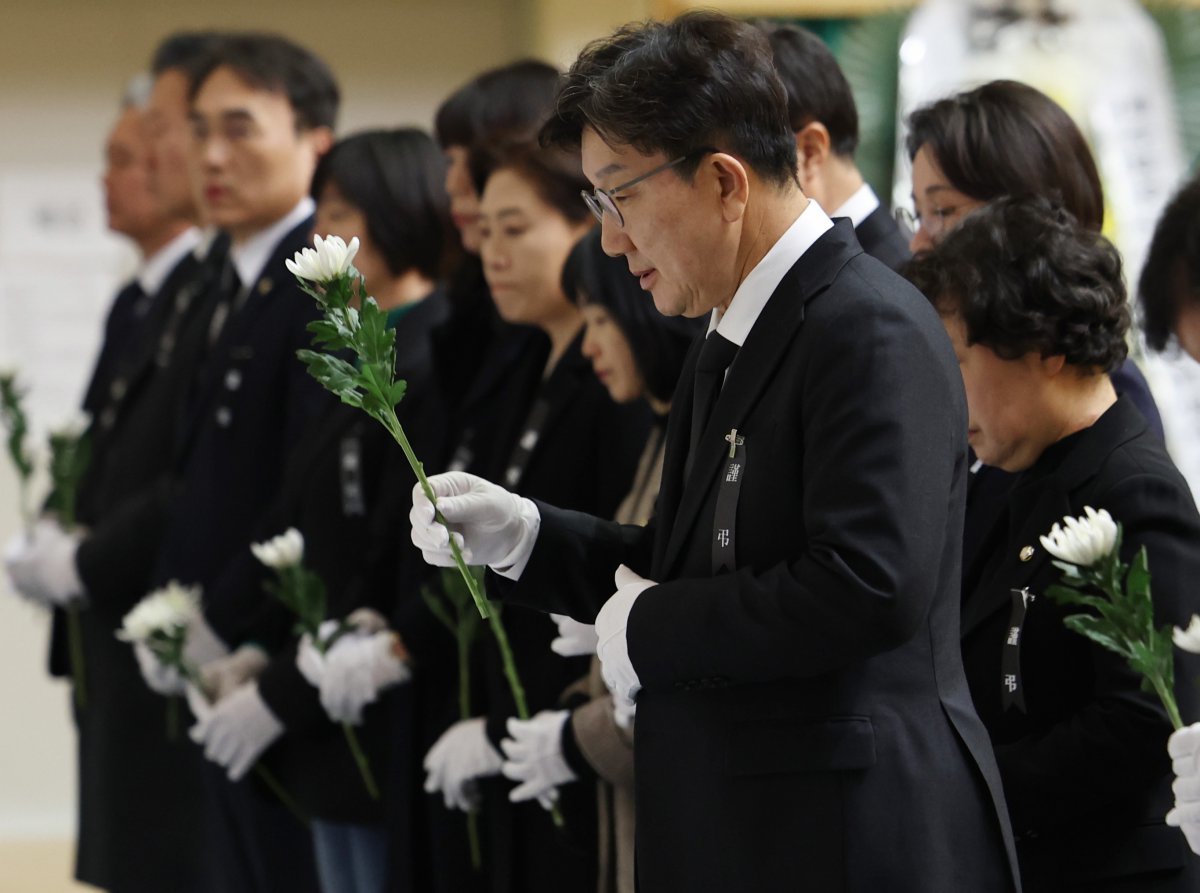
637, 353
138, 795
1004, 139
1036, 309
823, 116
384, 188
1169, 299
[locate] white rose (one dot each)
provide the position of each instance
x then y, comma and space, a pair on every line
281, 552
170, 608
1083, 541
1188, 639
329, 260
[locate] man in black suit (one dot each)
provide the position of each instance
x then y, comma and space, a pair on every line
262, 114
824, 118
788, 624
137, 793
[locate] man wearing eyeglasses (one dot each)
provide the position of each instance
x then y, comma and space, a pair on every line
787, 626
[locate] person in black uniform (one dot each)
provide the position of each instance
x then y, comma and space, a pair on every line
262, 112
787, 625
1036, 309
824, 118
383, 187
1167, 295
138, 794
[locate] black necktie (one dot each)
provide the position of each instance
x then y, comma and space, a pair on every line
715, 357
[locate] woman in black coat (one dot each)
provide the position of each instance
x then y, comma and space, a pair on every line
1036, 309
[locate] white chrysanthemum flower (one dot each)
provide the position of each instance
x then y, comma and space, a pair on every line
1082, 541
329, 260
72, 427
172, 607
1188, 639
281, 552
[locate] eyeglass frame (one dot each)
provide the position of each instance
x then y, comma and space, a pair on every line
595, 199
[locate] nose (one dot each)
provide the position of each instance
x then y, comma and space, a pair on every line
613, 239
589, 348
920, 240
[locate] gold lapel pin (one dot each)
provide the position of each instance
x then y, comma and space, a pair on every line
1026, 553
264, 286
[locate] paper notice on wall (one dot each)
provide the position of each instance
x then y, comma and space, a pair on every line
59, 269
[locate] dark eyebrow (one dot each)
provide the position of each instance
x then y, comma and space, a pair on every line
609, 169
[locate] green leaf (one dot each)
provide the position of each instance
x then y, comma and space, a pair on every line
335, 375
1098, 631
1137, 581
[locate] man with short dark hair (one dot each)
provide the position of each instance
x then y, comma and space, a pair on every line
262, 114
824, 118
787, 626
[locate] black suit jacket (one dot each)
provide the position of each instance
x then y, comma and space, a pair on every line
804, 721
249, 406
138, 792
1085, 766
882, 238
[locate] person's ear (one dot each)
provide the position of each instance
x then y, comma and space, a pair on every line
1053, 365
320, 138
813, 149
733, 184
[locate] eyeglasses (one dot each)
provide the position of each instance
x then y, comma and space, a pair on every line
936, 225
600, 201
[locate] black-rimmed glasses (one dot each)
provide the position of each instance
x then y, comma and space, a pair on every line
601, 201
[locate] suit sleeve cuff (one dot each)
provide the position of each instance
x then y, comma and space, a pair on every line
512, 565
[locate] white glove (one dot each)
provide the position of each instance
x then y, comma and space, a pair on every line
612, 647
1183, 746
201, 647
357, 669
492, 526
575, 639
41, 565
462, 755
225, 674
624, 713
235, 732
535, 757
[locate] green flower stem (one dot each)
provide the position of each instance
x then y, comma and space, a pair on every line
360, 758
518, 690
392, 423
463, 638
75, 641
1168, 698
268, 778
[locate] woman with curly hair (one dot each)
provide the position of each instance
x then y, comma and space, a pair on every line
1036, 310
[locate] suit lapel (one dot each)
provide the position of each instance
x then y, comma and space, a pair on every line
770, 338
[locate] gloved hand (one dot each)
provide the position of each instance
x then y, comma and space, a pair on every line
462, 755
613, 648
201, 646
575, 639
492, 526
41, 564
225, 674
1183, 747
535, 756
358, 666
236, 731
624, 713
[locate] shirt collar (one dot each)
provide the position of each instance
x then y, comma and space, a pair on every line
251, 256
859, 206
758, 286
158, 266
